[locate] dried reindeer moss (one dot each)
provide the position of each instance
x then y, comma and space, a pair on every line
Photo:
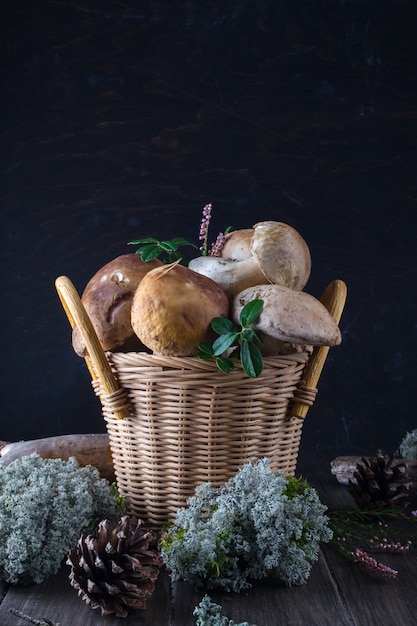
45, 504
260, 523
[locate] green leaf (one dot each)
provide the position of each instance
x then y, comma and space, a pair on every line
255, 336
250, 312
224, 364
156, 248
251, 359
168, 246
242, 339
206, 351
223, 342
145, 240
147, 253
180, 241
223, 325
249, 334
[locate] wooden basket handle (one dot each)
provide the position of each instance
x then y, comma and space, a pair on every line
334, 299
96, 360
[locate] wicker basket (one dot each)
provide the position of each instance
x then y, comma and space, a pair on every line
174, 423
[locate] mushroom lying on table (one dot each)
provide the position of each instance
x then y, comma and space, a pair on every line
88, 449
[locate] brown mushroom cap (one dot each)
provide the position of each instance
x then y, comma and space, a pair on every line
283, 255
108, 298
173, 308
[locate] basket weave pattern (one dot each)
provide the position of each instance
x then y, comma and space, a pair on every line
174, 423
189, 423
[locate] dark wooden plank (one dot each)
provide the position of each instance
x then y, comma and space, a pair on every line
266, 604
337, 592
374, 601
371, 600
58, 601
3, 590
271, 604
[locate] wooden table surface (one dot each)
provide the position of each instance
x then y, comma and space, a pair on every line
338, 592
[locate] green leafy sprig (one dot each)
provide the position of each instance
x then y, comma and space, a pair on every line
357, 534
167, 251
240, 340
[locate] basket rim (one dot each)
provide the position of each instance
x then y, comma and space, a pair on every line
195, 363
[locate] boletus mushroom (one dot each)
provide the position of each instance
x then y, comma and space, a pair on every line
173, 308
282, 254
108, 298
269, 252
291, 316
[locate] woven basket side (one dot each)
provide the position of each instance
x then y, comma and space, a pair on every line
186, 428
182, 425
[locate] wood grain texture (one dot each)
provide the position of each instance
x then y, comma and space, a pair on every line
58, 601
338, 591
269, 604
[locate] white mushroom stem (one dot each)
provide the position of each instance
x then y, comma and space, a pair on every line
231, 276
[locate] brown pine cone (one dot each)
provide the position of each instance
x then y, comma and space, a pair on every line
379, 482
115, 569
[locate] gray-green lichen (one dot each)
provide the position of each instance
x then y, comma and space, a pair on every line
208, 614
45, 505
260, 523
408, 446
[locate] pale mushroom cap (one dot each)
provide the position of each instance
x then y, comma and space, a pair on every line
289, 315
237, 246
282, 253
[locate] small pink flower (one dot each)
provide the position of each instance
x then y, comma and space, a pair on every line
371, 564
217, 246
204, 227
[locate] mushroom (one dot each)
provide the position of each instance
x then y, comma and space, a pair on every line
173, 308
237, 246
108, 298
269, 252
292, 316
231, 276
283, 255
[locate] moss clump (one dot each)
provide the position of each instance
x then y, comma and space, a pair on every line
408, 446
258, 523
45, 504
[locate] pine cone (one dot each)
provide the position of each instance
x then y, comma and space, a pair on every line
115, 570
379, 483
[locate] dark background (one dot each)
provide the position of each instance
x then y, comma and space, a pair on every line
122, 119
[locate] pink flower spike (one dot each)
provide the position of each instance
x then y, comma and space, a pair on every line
217, 246
204, 228
373, 565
